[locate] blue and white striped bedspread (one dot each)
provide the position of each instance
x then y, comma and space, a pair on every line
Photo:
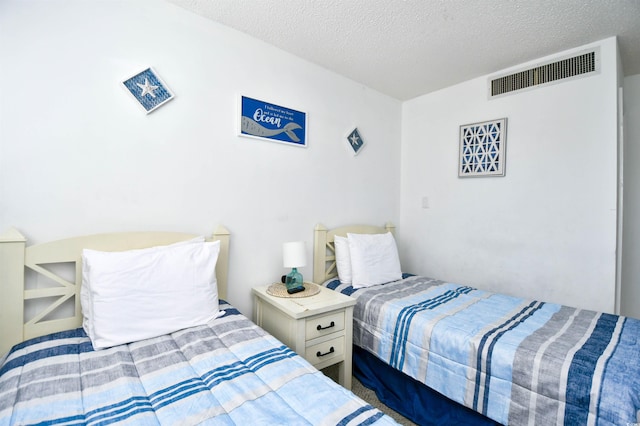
519, 362
229, 372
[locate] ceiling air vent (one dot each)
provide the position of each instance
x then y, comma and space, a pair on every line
573, 67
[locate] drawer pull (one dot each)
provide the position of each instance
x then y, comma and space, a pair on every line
331, 350
319, 327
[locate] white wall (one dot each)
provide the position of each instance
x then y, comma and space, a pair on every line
547, 230
78, 156
630, 300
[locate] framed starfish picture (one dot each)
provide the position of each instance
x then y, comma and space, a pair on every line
148, 89
355, 141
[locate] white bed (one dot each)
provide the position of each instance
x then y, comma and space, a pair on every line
224, 371
16, 257
445, 353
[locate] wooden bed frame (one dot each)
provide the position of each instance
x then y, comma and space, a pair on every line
324, 251
16, 257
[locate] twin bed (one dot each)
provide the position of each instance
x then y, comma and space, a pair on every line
442, 353
437, 352
77, 370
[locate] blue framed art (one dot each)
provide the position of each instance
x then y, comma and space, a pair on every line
148, 89
355, 141
264, 120
483, 148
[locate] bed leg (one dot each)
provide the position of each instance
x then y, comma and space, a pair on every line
345, 370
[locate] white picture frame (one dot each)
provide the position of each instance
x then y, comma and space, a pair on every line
355, 141
483, 148
263, 120
148, 89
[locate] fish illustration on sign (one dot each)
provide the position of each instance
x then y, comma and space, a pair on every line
251, 127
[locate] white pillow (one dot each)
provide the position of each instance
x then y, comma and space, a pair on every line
374, 259
85, 289
343, 259
139, 294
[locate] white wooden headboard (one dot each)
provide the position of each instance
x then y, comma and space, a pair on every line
324, 251
16, 257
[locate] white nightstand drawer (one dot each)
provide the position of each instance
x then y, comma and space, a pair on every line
325, 351
325, 324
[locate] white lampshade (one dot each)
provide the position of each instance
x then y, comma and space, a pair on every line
294, 254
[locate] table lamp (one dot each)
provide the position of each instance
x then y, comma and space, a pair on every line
294, 256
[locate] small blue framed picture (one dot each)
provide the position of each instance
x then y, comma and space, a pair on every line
148, 90
264, 120
483, 148
355, 141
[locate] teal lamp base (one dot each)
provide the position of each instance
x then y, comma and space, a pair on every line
293, 282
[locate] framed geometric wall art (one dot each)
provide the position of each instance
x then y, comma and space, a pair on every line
267, 121
483, 148
355, 141
148, 89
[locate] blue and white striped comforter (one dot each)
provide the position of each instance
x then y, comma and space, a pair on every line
229, 372
516, 361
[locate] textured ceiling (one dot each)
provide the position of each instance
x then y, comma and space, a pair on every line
406, 48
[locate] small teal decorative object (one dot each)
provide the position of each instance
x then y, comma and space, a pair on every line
294, 256
294, 282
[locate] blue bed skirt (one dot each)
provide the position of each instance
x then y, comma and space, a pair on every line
409, 397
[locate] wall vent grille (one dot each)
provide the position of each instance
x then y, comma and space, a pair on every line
575, 66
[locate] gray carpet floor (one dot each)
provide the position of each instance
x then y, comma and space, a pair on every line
369, 396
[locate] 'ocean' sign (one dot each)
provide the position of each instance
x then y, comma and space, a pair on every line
272, 122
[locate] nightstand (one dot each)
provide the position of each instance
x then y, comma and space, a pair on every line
318, 327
